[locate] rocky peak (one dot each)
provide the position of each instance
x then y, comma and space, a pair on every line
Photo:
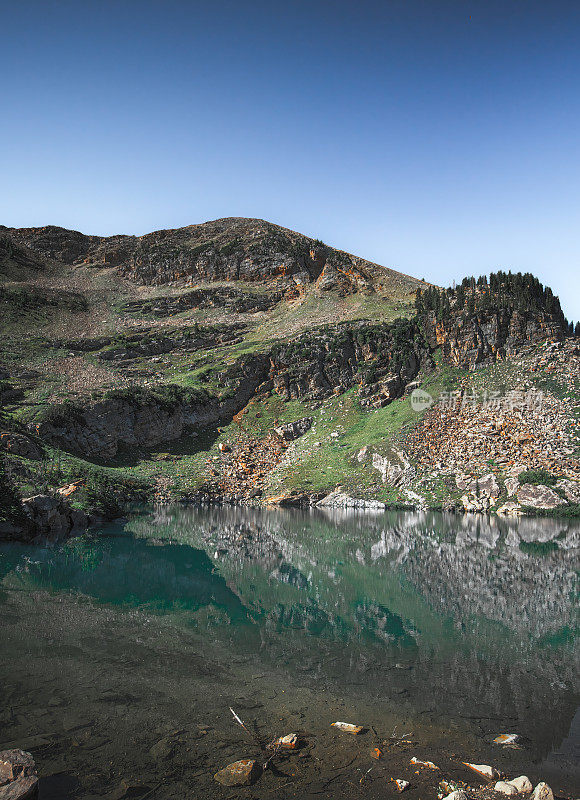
234, 248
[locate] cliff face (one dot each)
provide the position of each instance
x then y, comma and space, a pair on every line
98, 430
380, 359
488, 337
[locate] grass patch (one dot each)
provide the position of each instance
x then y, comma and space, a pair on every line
537, 477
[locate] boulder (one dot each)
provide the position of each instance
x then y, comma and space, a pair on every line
339, 499
522, 784
538, 496
18, 778
511, 485
240, 773
52, 517
293, 430
474, 504
505, 788
570, 488
486, 486
542, 792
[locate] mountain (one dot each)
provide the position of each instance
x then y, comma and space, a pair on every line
240, 359
225, 249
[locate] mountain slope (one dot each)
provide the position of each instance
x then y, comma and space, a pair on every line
168, 362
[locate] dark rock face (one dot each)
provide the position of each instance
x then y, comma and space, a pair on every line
488, 336
15, 258
380, 359
51, 517
186, 339
226, 297
20, 445
313, 367
55, 243
45, 517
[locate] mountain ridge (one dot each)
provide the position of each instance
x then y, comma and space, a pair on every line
212, 249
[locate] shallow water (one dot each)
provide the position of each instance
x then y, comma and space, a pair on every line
122, 651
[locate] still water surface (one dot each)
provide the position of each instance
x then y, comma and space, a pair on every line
122, 651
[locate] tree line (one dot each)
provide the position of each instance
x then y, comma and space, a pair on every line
513, 291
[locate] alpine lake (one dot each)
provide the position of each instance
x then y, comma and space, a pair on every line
122, 652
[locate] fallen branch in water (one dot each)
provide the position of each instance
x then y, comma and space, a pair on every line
241, 722
400, 739
274, 745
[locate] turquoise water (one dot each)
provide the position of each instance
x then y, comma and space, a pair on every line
457, 624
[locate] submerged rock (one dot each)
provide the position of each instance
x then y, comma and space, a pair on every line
240, 773
417, 763
482, 769
348, 727
289, 742
162, 749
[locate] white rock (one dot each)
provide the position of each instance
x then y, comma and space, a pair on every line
505, 788
362, 453
522, 784
506, 738
543, 792
458, 794
417, 763
402, 784
483, 769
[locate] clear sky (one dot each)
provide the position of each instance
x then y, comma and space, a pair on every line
440, 138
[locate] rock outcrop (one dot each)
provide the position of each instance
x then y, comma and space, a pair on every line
488, 337
293, 430
313, 367
45, 517
380, 359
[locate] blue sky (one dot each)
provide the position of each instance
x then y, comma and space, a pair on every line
439, 138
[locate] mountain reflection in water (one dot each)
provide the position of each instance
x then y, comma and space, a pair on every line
457, 617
